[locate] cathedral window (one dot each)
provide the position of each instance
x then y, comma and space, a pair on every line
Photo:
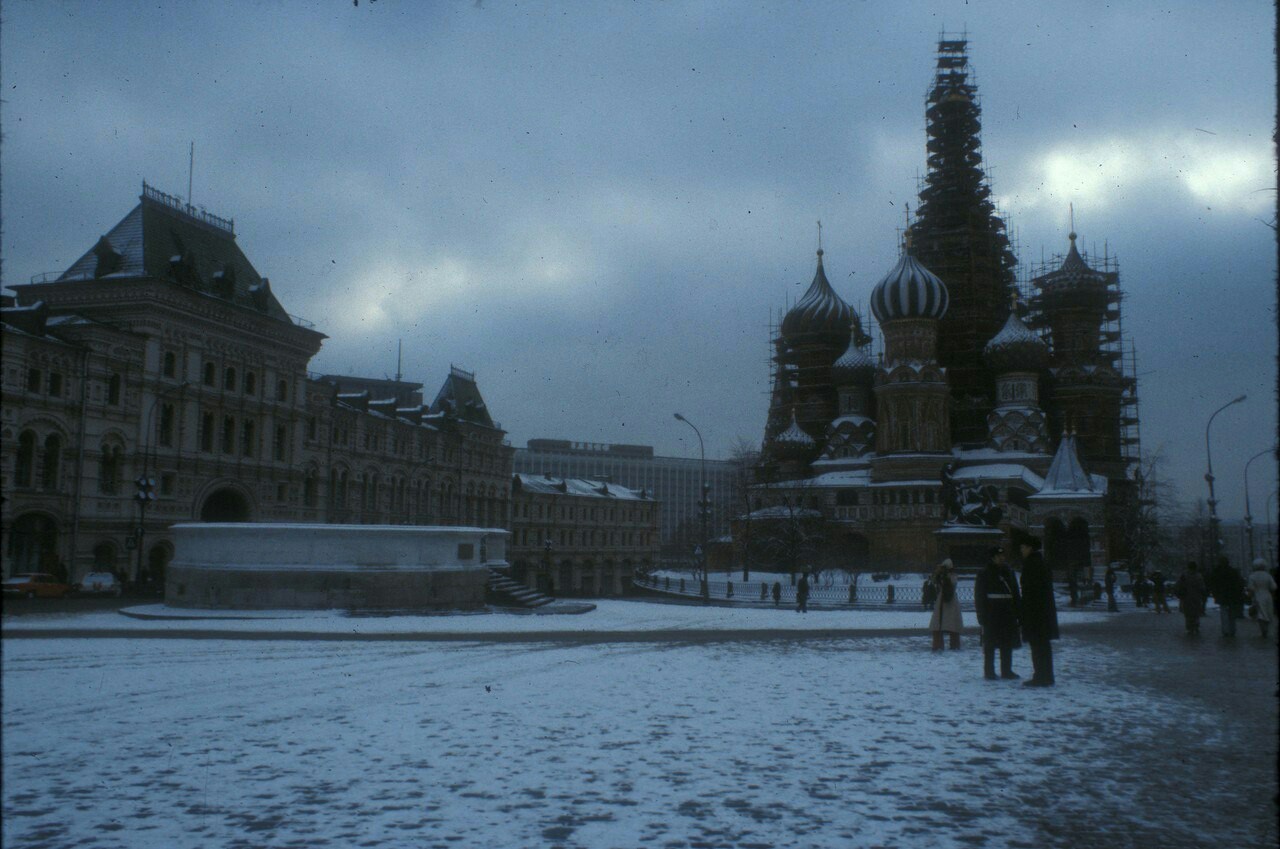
26, 459
229, 378
210, 373
52, 462
228, 435
206, 432
35, 379
248, 440
170, 367
55, 384
113, 390
166, 424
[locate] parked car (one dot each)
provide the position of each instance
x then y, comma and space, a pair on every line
35, 585
100, 583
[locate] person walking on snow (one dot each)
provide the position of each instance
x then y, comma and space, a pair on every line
1110, 582
777, 593
1263, 587
802, 594
1160, 593
1228, 591
1190, 592
1039, 613
946, 607
996, 599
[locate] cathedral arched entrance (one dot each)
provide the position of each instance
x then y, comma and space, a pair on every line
1066, 545
225, 505
33, 544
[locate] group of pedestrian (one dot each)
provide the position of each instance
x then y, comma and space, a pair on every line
1230, 591
1008, 615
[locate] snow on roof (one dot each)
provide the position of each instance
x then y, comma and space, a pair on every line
580, 487
1066, 476
1001, 471
781, 511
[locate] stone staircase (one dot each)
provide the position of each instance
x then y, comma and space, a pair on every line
503, 591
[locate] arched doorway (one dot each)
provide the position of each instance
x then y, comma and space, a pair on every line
1066, 546
225, 505
33, 544
105, 557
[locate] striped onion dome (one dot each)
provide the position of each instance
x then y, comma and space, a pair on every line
819, 314
854, 366
909, 291
1016, 348
794, 436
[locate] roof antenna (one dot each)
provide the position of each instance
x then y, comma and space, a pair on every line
191, 167
399, 349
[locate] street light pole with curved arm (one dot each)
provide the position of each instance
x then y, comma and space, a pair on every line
702, 503
1213, 503
1248, 514
146, 486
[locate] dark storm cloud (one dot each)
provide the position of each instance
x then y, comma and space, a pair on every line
600, 208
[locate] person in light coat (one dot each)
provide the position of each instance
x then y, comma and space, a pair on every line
1263, 587
946, 608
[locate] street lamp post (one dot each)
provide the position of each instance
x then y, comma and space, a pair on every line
145, 483
1248, 514
1213, 503
702, 504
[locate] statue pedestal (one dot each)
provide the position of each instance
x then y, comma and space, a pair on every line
968, 546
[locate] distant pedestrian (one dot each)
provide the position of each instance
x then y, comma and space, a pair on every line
1073, 585
996, 599
1109, 582
946, 608
802, 593
1160, 593
1191, 592
1039, 613
1227, 588
777, 593
1263, 587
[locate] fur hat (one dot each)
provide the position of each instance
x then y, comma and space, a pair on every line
1030, 542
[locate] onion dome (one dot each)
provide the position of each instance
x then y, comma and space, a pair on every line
1016, 348
794, 436
854, 366
820, 315
909, 291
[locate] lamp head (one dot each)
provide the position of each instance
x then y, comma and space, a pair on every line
1238, 400
679, 417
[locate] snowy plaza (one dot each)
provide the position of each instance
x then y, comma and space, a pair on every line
637, 724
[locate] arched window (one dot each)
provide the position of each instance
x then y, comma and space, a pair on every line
228, 435
52, 462
109, 469
26, 461
113, 390
280, 446
309, 489
248, 442
250, 383
170, 367
210, 374
229, 378
282, 390
207, 428
166, 424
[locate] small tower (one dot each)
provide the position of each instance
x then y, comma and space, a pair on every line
853, 432
1017, 356
911, 392
1075, 303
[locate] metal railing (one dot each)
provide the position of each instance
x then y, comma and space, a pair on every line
863, 594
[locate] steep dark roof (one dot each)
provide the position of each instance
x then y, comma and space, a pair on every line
460, 397
163, 238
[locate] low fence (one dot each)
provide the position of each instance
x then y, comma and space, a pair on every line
863, 594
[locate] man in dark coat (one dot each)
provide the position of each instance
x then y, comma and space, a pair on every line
996, 600
1227, 587
1039, 613
1110, 582
802, 594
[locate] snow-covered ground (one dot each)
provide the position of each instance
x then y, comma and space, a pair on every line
697, 742
609, 617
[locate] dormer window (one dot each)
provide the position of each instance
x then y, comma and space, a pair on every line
109, 259
224, 281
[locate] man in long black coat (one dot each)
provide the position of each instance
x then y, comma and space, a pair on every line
1039, 613
996, 600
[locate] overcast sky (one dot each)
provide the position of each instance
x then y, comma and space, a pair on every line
600, 207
